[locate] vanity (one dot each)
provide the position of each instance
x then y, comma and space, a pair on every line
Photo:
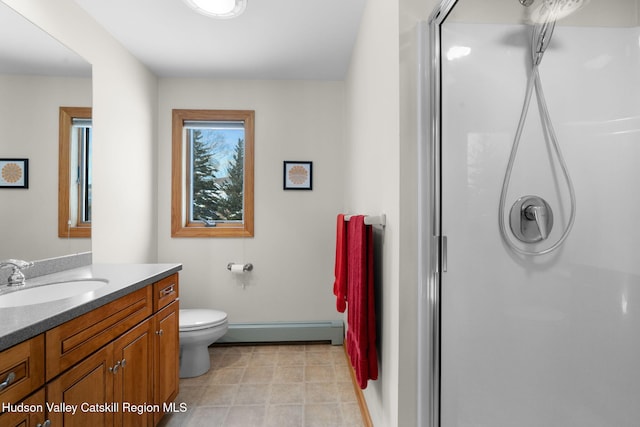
106, 357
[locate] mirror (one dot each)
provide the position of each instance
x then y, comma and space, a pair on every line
38, 75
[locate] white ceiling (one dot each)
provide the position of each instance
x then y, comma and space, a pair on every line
272, 39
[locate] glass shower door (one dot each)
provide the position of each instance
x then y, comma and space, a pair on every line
548, 340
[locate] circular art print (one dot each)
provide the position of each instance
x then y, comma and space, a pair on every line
14, 173
297, 175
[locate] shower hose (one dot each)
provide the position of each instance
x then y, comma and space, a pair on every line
541, 35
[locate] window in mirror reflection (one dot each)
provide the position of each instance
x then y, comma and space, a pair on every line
213, 173
74, 174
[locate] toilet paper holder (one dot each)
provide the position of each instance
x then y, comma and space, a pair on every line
245, 267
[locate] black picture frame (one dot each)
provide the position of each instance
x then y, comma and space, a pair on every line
14, 173
297, 175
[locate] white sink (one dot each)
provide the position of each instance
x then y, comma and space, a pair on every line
50, 292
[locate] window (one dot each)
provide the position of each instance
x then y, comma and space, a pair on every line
74, 172
212, 173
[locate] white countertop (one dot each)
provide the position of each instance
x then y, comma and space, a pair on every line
18, 324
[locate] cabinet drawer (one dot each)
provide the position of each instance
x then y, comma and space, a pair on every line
165, 292
21, 369
74, 340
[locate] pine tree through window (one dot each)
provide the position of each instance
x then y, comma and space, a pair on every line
212, 176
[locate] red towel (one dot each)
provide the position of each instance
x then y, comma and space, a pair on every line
340, 283
361, 316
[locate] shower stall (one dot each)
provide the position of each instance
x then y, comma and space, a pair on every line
530, 310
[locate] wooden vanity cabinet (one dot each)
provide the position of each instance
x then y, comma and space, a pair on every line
135, 368
117, 365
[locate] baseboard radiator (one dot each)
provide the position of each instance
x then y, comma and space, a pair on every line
331, 330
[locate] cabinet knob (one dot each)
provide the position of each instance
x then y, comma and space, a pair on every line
47, 423
123, 363
160, 332
115, 368
167, 291
6, 383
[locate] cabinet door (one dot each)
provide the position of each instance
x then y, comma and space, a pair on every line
167, 355
133, 376
86, 388
17, 418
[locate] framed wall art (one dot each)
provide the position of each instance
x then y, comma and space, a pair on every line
14, 173
298, 175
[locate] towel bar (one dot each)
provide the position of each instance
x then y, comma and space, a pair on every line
371, 219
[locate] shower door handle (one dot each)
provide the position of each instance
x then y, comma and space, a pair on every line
440, 253
443, 253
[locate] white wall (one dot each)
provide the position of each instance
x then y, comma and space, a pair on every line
373, 181
125, 97
29, 129
294, 245
382, 112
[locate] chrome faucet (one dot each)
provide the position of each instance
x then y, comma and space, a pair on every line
17, 277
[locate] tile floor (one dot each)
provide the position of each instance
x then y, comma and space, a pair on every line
301, 385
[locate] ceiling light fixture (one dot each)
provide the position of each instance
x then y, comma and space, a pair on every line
222, 9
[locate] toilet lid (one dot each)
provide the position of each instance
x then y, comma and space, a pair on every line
194, 319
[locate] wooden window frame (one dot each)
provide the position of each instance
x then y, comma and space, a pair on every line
66, 116
180, 225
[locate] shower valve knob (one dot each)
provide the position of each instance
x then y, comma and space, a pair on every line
539, 215
531, 219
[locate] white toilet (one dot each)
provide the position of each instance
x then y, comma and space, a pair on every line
199, 328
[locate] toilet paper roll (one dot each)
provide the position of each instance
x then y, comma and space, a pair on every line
237, 268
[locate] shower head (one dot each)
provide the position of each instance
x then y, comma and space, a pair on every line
553, 10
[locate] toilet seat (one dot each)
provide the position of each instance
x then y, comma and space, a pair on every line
197, 319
